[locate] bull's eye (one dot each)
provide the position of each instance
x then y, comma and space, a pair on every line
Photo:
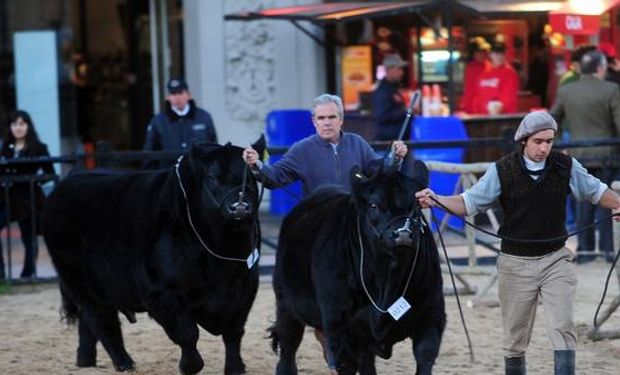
373, 206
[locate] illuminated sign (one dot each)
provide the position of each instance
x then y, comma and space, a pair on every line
573, 23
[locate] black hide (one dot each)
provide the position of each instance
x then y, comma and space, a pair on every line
124, 242
317, 276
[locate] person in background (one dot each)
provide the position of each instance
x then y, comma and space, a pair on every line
613, 67
574, 70
181, 124
478, 62
499, 82
572, 75
388, 106
534, 265
22, 141
592, 107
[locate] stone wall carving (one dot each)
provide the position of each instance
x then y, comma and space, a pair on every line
249, 63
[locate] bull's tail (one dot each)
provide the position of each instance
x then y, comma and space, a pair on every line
70, 312
273, 335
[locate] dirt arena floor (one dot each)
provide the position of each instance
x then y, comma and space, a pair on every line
34, 341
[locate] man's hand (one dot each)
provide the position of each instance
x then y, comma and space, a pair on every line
250, 156
424, 198
400, 149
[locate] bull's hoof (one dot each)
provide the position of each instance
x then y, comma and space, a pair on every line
191, 362
129, 367
424, 369
86, 358
282, 369
235, 369
83, 362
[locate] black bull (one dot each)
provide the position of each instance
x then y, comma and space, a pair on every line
172, 243
324, 242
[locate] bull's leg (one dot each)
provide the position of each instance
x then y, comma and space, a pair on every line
367, 363
426, 349
104, 325
232, 341
336, 336
87, 349
182, 330
287, 333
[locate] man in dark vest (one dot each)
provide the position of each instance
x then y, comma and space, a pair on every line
531, 185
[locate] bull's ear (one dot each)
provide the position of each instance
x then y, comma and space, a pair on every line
260, 145
357, 176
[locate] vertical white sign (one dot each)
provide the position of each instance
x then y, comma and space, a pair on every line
36, 83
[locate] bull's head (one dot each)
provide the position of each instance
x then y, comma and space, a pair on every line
224, 182
387, 206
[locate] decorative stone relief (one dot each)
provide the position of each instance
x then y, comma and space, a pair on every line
249, 64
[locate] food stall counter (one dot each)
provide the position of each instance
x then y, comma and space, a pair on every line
489, 126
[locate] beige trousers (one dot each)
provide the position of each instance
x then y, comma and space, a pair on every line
522, 281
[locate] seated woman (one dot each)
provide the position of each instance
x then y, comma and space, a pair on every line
22, 141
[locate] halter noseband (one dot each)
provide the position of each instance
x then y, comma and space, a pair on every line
239, 209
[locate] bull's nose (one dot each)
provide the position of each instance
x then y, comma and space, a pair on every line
402, 237
239, 210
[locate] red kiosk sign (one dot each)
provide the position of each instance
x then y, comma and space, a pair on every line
575, 24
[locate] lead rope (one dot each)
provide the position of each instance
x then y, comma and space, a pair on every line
191, 222
415, 259
456, 293
600, 304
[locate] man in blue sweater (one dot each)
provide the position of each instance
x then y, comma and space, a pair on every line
325, 157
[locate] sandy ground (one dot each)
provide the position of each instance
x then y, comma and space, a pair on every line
34, 341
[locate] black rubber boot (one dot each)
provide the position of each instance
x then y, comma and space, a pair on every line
564, 362
515, 365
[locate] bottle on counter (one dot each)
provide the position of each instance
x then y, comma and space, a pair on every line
436, 101
426, 100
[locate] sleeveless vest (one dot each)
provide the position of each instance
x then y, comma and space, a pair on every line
533, 209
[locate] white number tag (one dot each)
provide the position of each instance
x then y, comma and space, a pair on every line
399, 308
252, 258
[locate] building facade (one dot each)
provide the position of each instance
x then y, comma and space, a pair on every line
95, 70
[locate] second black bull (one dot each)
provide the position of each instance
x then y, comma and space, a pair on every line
343, 260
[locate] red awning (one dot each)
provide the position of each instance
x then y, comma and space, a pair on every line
573, 20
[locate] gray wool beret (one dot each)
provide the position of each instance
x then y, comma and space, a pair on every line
533, 123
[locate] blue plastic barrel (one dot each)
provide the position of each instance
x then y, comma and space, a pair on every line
436, 129
283, 128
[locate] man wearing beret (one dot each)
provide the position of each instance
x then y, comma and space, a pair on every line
531, 186
181, 123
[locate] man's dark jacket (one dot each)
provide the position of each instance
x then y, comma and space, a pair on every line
388, 112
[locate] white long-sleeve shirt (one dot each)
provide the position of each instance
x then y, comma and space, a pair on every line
486, 191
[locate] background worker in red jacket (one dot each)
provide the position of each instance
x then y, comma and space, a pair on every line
478, 62
499, 82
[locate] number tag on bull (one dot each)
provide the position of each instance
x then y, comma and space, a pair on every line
252, 259
399, 308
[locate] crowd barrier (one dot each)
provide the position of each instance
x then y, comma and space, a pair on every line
107, 158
